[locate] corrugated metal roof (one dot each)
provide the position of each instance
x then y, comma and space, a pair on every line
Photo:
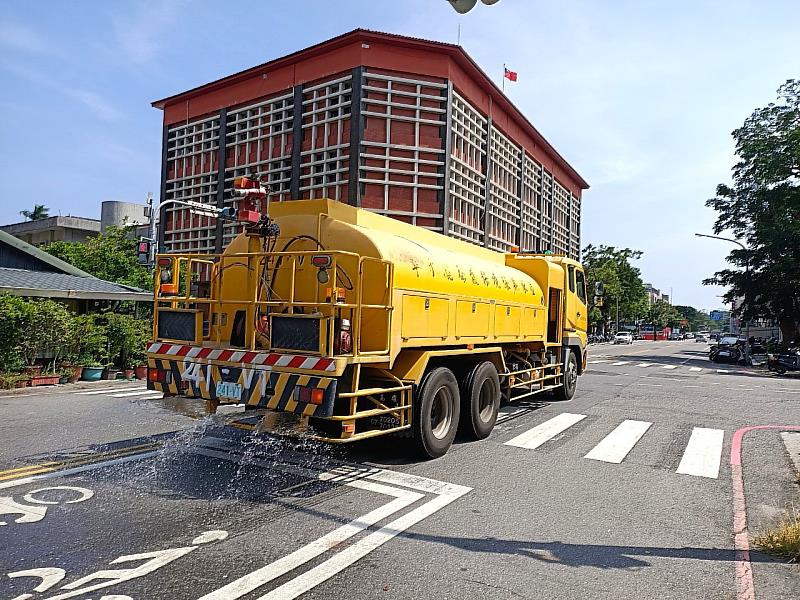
21, 282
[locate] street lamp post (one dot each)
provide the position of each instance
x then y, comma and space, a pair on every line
746, 266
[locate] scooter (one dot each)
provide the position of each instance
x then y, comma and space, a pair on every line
788, 360
726, 353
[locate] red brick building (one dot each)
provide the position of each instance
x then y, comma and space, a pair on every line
437, 144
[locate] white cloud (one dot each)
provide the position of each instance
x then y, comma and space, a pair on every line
21, 38
138, 32
102, 108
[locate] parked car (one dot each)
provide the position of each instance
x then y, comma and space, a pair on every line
623, 337
700, 338
688, 336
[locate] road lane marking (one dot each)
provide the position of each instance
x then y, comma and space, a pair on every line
308, 580
695, 369
669, 367
619, 364
138, 393
703, 453
692, 386
616, 445
594, 362
24, 475
535, 437
644, 365
648, 384
119, 388
370, 479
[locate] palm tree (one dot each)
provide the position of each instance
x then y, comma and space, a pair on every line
39, 212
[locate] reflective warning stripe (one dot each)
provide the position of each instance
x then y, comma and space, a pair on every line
269, 359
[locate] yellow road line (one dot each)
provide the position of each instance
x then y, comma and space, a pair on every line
74, 462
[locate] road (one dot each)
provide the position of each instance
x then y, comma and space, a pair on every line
627, 491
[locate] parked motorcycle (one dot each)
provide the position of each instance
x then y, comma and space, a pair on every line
782, 362
728, 350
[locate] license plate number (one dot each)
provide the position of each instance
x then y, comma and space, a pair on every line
232, 391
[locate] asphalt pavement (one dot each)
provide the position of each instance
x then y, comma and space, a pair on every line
627, 491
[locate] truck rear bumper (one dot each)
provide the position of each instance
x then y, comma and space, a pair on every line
256, 386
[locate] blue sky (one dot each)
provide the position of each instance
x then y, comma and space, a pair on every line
639, 96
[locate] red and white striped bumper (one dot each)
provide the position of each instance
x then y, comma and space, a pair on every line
265, 359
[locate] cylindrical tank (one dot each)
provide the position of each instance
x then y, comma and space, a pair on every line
443, 292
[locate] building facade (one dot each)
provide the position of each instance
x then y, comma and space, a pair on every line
54, 229
408, 128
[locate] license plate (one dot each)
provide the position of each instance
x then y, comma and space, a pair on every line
231, 391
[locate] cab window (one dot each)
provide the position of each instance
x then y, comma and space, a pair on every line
581, 285
571, 278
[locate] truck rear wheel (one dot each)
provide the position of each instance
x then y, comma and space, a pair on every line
436, 413
480, 401
570, 378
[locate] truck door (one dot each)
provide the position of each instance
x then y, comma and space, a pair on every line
575, 316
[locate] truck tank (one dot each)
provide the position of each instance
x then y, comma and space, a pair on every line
443, 291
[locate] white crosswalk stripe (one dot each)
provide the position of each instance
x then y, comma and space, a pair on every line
533, 438
701, 457
703, 453
619, 364
616, 445
107, 391
669, 367
137, 393
695, 369
644, 365
596, 361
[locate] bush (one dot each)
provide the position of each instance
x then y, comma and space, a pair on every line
128, 336
15, 321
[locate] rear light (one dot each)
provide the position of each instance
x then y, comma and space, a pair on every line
169, 289
159, 375
343, 342
164, 262
309, 395
348, 427
322, 261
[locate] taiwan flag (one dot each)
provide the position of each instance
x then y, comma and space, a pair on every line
509, 74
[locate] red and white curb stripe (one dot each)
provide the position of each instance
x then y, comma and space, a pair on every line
267, 359
741, 541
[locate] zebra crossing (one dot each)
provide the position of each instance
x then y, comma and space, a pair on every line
124, 391
701, 457
653, 366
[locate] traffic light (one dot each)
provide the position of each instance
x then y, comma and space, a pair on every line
143, 252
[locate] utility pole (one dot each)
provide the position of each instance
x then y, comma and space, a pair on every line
151, 232
746, 267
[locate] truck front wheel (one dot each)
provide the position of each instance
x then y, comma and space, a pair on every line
436, 413
570, 378
480, 401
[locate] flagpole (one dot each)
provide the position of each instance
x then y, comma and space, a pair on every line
504, 78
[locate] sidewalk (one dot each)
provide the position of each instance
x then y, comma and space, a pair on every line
66, 388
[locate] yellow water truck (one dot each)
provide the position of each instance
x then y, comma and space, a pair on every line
355, 325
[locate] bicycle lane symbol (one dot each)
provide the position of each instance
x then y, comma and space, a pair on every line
50, 577
36, 508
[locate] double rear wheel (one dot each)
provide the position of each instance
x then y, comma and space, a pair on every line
443, 407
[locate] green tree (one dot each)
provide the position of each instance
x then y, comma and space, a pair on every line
39, 212
110, 255
697, 319
762, 208
622, 281
661, 314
